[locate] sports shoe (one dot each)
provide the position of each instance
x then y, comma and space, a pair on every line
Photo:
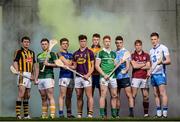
52, 116
71, 116
18, 117
90, 116
164, 117
79, 116
27, 117
146, 115
156, 117
44, 116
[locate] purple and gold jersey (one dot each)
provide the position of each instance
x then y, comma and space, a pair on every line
83, 60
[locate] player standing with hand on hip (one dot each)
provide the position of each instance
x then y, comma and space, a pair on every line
23, 63
45, 79
160, 57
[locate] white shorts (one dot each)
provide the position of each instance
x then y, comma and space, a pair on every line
66, 82
82, 83
140, 83
111, 82
45, 83
24, 81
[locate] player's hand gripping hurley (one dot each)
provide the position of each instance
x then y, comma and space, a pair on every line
125, 57
14, 71
52, 43
160, 59
59, 63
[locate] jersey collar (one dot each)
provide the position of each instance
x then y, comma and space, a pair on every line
108, 51
139, 54
156, 46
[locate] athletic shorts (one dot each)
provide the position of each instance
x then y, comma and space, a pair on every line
24, 81
158, 79
111, 82
123, 83
139, 83
96, 81
45, 83
82, 83
66, 82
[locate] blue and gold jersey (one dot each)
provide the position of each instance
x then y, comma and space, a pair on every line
64, 73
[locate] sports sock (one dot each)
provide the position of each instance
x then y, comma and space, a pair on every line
61, 113
44, 110
165, 113
52, 110
26, 107
18, 108
146, 107
158, 111
113, 112
69, 113
102, 112
131, 111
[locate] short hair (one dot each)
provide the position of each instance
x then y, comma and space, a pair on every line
119, 38
138, 42
81, 37
154, 34
63, 40
25, 38
96, 35
106, 37
44, 40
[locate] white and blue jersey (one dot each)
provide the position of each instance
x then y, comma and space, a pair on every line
64, 73
119, 56
158, 76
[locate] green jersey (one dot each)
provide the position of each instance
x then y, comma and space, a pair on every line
48, 72
107, 60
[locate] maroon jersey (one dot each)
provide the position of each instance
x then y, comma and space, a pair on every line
142, 58
83, 60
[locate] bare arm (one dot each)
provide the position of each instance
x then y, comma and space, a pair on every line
15, 64
91, 69
127, 65
147, 66
136, 65
167, 61
65, 61
98, 68
36, 72
74, 65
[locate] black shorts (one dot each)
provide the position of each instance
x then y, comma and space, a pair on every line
96, 81
123, 83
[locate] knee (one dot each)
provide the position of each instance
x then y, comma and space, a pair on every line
79, 97
114, 96
146, 98
163, 94
43, 98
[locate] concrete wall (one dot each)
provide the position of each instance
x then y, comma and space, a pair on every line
20, 18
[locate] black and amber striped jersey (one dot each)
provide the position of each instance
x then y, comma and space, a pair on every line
25, 60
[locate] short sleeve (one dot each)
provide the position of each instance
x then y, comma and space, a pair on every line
98, 56
54, 57
148, 57
17, 55
74, 57
92, 58
37, 58
34, 58
165, 51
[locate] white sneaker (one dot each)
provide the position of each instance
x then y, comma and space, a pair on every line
79, 116
18, 117
90, 116
27, 117
146, 115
